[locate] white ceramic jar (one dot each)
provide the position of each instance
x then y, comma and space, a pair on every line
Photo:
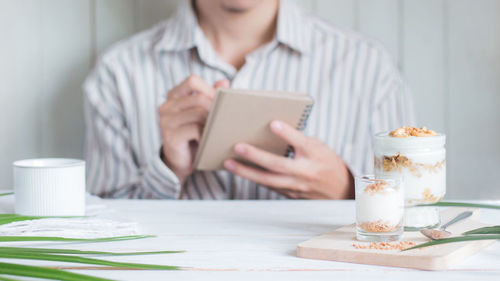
420, 161
49, 187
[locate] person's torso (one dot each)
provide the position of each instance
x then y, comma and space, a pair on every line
338, 72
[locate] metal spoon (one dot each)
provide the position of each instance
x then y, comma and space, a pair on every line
441, 233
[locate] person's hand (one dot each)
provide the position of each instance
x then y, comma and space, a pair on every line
182, 118
315, 172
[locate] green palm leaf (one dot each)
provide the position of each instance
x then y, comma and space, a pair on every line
484, 230
455, 239
2, 278
79, 252
48, 238
64, 255
8, 218
76, 259
42, 272
460, 204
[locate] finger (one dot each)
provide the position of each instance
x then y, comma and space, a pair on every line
285, 192
292, 194
202, 101
291, 135
259, 176
270, 161
224, 83
183, 134
192, 84
193, 115
183, 103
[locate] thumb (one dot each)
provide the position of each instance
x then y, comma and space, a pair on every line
292, 136
224, 83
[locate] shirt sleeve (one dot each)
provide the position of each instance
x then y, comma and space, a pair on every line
113, 167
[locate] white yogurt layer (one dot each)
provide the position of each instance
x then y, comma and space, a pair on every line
424, 170
386, 206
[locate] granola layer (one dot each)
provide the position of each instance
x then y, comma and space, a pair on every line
378, 226
398, 162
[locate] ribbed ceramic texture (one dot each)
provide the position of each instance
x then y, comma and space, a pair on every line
50, 191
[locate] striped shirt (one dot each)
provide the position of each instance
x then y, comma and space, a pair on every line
356, 85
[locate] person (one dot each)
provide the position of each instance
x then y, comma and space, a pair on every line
148, 97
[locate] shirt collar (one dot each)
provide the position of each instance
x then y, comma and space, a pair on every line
292, 27
182, 31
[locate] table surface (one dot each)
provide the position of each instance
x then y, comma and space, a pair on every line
248, 240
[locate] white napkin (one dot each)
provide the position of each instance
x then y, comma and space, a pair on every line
69, 228
101, 221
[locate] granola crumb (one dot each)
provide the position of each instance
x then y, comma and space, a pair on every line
433, 168
378, 226
410, 131
402, 245
376, 187
429, 197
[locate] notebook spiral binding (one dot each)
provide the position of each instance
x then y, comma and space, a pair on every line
290, 151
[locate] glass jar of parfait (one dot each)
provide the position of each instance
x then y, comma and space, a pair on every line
379, 209
417, 156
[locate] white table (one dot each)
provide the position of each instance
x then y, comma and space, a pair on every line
249, 240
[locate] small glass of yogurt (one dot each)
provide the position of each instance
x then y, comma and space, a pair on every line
379, 209
417, 156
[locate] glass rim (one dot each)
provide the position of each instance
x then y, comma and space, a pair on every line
370, 178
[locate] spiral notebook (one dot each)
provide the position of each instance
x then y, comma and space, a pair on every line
244, 116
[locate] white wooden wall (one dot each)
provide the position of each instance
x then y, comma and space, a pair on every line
449, 51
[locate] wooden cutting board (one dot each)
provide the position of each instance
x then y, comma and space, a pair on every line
338, 246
